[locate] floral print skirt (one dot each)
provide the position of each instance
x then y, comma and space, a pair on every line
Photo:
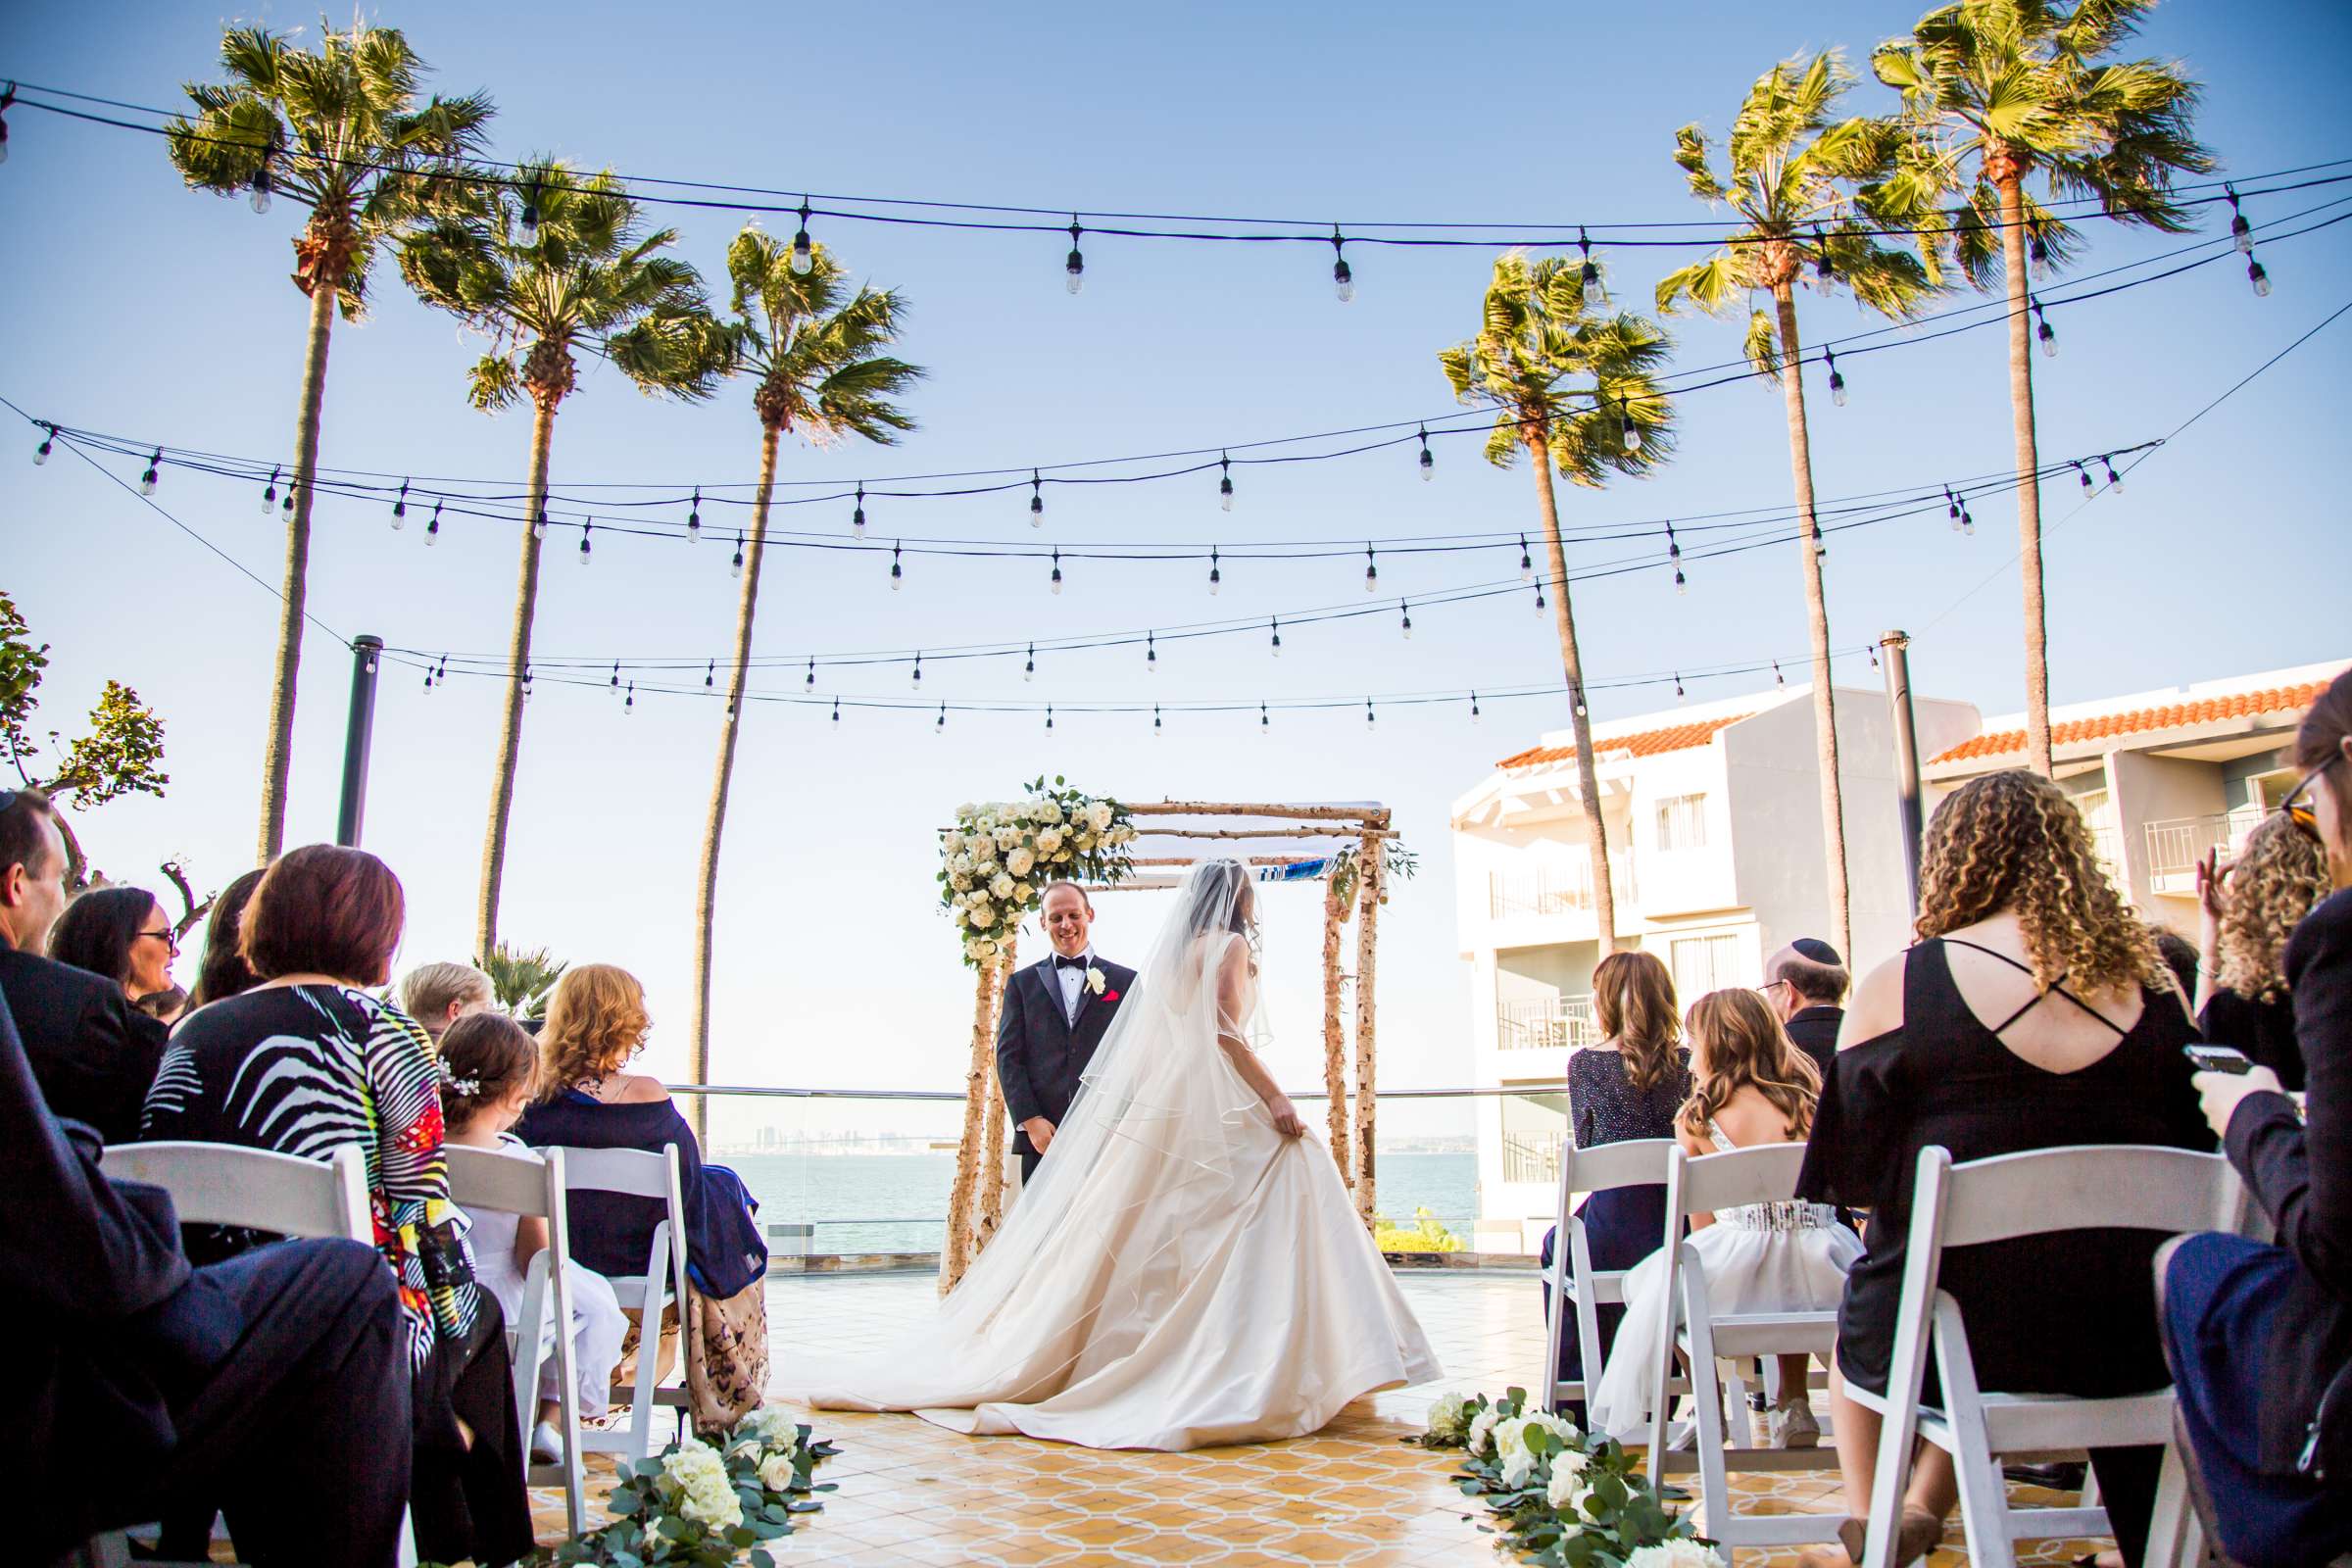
726, 1355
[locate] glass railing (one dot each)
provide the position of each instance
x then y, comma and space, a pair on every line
865, 1174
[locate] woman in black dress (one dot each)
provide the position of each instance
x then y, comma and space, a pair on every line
2035, 1012
1627, 1086
2260, 1336
2250, 909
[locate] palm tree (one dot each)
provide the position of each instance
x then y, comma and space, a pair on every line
1995, 91
1794, 169
816, 350
1536, 334
549, 263
339, 134
521, 978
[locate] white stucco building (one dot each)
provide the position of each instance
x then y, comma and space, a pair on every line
1713, 817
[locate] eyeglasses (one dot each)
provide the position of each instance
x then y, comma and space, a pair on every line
1767, 986
2297, 805
165, 936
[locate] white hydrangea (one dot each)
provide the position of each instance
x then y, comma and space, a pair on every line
1675, 1555
1449, 1417
1020, 861
1481, 1439
772, 1424
700, 1476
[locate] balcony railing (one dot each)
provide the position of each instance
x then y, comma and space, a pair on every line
1531, 1157
2178, 843
1566, 890
1563, 1022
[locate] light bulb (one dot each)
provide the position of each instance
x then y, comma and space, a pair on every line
1055, 582
1215, 576
1474, 708
1370, 719
2083, 474
1343, 281
1029, 670
1371, 571
1225, 493
735, 570
261, 190
857, 518
287, 505
1276, 625
538, 525
2259, 279
433, 527
617, 677
2049, 341
694, 517
898, 574
628, 703
1632, 436
1408, 625
1037, 501
918, 670
941, 726
1156, 732
1265, 725
2115, 480
531, 214
1837, 387
1968, 524
1429, 466
40, 454
1682, 584
269, 493
804, 254
1150, 654
1074, 268
1527, 563
147, 480
585, 527
400, 506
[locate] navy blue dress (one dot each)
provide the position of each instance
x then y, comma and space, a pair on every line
1623, 1225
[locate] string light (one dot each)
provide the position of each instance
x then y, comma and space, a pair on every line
1276, 624
1678, 686
837, 713
269, 493
857, 516
1967, 523
628, 703
1407, 610
1029, 670
898, 573
1872, 649
1225, 481
1371, 571
1673, 556
2037, 250
1820, 546
1778, 680
617, 677
1588, 273
400, 506
1628, 435
1266, 724
1343, 281
1156, 732
1151, 653
586, 528
261, 187
1579, 702
40, 454
1428, 464
538, 523
1048, 715
2115, 480
807, 682
1837, 379
147, 480
1824, 269
1055, 582
531, 214
1527, 563
2083, 474
1037, 500
803, 255
1474, 708
735, 566
1951, 508
2042, 329
1371, 720
1215, 576
2241, 232
287, 504
2260, 278
1074, 269
918, 670
526, 684
694, 517
1539, 606
433, 527
941, 727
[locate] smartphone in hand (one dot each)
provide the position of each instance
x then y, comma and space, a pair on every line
2217, 1058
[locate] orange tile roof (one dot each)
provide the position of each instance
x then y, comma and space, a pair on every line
1643, 743
2141, 720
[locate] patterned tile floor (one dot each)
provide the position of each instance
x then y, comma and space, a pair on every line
911, 1493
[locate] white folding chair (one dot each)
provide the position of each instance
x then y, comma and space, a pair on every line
227, 1184
1732, 1180
638, 1173
533, 1187
1636, 1163
2120, 1185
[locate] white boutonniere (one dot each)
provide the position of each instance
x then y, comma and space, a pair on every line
1093, 980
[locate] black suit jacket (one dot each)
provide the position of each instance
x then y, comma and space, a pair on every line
1814, 1030
1039, 1053
2301, 1171
92, 1052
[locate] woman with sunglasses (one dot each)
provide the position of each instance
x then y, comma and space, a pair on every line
2260, 1336
120, 933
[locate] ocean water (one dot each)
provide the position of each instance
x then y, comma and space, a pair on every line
899, 1202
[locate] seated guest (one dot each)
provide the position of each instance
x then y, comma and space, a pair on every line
92, 1052
596, 1024
120, 933
438, 995
307, 1062
1806, 984
222, 970
2260, 1336
273, 1386
1628, 1085
2033, 1014
2248, 914
488, 1069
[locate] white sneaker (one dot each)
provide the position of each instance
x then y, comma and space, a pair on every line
547, 1444
1793, 1425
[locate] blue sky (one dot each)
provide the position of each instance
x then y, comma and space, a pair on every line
141, 309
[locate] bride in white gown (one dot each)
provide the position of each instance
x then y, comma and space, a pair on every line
1185, 1268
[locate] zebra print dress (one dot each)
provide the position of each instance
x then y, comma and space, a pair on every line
305, 1070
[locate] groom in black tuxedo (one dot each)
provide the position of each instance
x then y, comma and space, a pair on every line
1054, 1015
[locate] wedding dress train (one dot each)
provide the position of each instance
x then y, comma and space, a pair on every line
1179, 1273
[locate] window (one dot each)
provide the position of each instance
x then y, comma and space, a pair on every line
1682, 823
1702, 964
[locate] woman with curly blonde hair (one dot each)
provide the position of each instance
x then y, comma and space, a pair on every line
596, 1026
2249, 910
2034, 1012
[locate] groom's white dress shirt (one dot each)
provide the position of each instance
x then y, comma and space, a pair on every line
1073, 982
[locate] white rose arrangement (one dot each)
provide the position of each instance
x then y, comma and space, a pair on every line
1481, 1439
998, 858
1675, 1555
1450, 1418
707, 1496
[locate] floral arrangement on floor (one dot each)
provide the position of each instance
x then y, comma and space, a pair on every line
997, 860
1558, 1496
1427, 1234
699, 1504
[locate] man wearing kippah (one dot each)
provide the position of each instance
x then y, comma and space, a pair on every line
1806, 983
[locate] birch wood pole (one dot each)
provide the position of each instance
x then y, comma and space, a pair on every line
992, 1174
1334, 1034
955, 1250
1371, 874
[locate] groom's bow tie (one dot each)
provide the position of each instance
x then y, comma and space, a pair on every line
1060, 962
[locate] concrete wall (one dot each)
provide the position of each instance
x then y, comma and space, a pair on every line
2153, 789
1546, 974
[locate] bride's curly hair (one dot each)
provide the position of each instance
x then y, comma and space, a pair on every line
2013, 841
2272, 888
1740, 1045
